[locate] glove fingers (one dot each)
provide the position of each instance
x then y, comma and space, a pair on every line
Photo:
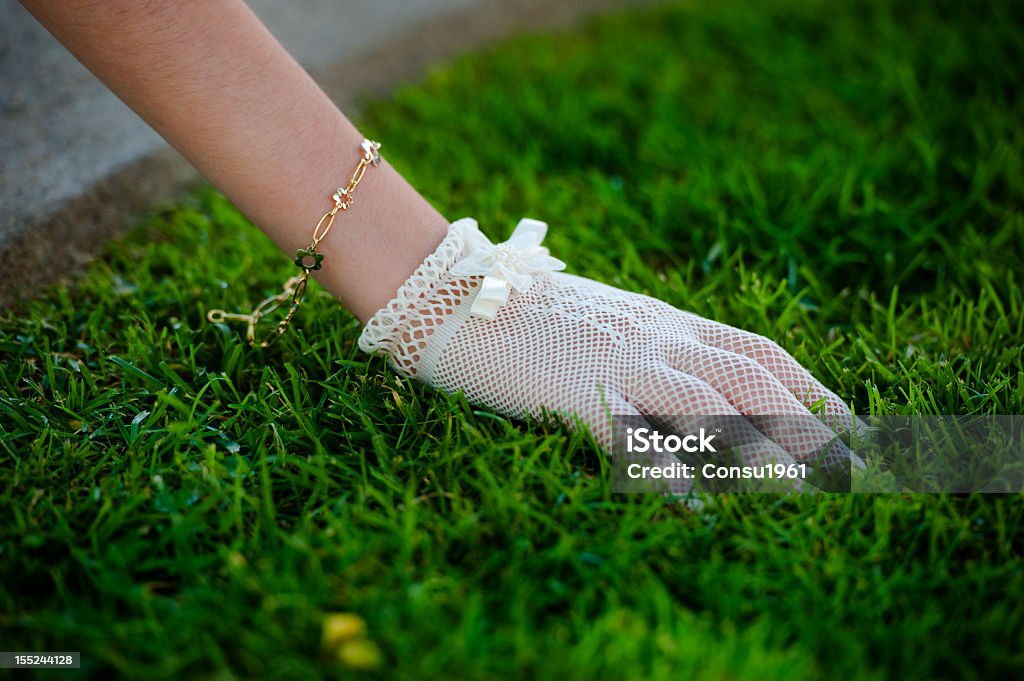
770, 406
681, 403
796, 379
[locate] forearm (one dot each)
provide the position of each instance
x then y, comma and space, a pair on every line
210, 78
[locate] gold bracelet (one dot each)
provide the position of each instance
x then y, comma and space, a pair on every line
307, 259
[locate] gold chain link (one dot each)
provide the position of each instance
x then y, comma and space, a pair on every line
307, 259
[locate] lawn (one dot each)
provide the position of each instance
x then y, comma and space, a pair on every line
844, 177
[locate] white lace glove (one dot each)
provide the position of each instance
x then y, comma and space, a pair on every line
501, 325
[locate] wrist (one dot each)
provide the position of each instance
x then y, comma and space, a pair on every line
362, 266
381, 240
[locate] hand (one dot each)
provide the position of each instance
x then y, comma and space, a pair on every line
501, 325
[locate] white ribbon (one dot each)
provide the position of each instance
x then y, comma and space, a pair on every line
512, 264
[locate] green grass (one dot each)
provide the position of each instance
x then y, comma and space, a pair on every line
843, 177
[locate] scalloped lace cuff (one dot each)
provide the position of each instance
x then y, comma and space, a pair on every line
403, 328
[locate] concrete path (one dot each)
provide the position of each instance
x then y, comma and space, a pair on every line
77, 166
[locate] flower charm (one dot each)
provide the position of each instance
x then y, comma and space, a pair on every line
303, 254
371, 152
513, 264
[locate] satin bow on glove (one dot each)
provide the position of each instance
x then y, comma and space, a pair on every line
501, 324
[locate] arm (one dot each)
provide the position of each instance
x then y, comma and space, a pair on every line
210, 78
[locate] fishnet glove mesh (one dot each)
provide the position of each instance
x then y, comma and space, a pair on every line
579, 347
